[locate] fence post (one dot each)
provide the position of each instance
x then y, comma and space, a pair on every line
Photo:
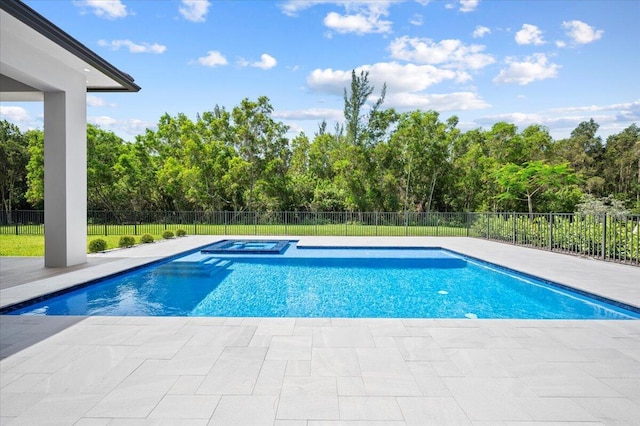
225, 222
604, 235
487, 225
105, 223
513, 217
255, 223
286, 224
346, 223
376, 223
468, 220
406, 223
550, 231
316, 213
17, 229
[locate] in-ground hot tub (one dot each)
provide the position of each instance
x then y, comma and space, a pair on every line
247, 247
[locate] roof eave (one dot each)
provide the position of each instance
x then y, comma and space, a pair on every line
39, 23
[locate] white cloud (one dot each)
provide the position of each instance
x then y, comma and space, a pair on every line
561, 121
450, 53
95, 101
103, 121
535, 67
292, 7
561, 44
313, 114
293, 129
194, 10
468, 5
529, 34
399, 78
406, 85
213, 59
457, 101
581, 33
134, 126
360, 23
481, 31
416, 20
518, 118
266, 62
134, 47
622, 107
126, 127
15, 114
242, 62
359, 17
109, 9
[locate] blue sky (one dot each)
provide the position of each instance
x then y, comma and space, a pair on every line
554, 63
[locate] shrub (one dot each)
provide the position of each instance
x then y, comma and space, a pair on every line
146, 239
126, 241
181, 233
167, 234
97, 245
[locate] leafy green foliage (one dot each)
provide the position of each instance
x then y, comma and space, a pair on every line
531, 178
146, 239
591, 205
167, 235
581, 234
377, 160
97, 245
181, 232
13, 161
126, 241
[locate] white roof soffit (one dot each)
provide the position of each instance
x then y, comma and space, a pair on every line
50, 43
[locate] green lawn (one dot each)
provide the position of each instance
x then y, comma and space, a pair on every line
33, 245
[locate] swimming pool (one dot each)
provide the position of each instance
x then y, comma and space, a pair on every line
327, 282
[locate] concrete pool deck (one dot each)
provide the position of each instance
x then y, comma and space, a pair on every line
300, 371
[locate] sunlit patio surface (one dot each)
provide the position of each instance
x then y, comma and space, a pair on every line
302, 371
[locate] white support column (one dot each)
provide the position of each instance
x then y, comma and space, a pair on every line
65, 177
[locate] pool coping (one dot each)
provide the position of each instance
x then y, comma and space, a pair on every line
586, 276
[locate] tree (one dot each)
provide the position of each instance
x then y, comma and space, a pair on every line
302, 182
425, 143
584, 152
621, 164
103, 150
505, 144
35, 168
259, 140
363, 128
469, 190
14, 156
532, 178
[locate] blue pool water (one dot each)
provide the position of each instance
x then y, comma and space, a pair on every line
329, 282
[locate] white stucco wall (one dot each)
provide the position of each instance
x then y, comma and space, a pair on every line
30, 59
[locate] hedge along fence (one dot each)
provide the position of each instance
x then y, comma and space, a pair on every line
608, 237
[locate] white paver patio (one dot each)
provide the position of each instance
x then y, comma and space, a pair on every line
321, 371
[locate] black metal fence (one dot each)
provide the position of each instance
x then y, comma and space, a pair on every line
607, 237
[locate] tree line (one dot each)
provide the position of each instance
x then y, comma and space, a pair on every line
377, 160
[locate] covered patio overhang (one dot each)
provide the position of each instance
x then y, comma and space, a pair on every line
40, 62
